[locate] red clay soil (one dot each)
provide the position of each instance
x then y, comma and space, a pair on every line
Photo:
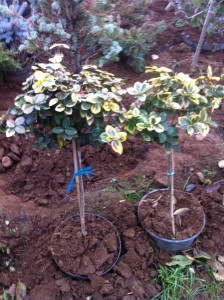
94, 253
33, 188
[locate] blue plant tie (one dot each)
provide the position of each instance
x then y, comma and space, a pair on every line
171, 173
86, 171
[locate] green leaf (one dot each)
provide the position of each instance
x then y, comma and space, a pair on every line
39, 75
10, 132
175, 105
75, 97
27, 108
135, 112
49, 82
10, 123
147, 137
20, 129
209, 72
190, 130
163, 116
66, 122
96, 108
39, 99
38, 87
162, 138
111, 132
69, 103
60, 107
53, 101
76, 88
168, 148
57, 130
103, 137
62, 95
180, 260
130, 128
86, 106
70, 131
117, 146
68, 111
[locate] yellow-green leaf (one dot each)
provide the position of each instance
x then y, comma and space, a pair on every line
96, 108
38, 87
39, 75
117, 146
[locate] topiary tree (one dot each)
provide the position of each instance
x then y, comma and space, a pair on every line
58, 107
165, 103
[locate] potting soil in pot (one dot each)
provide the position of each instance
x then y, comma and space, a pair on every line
156, 218
93, 254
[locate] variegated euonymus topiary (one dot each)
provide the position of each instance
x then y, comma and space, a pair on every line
61, 105
166, 102
57, 106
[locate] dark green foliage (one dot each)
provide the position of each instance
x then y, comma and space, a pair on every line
8, 61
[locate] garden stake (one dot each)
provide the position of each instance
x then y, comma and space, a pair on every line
76, 168
171, 190
83, 223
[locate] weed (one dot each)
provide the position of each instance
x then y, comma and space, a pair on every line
135, 190
180, 283
210, 173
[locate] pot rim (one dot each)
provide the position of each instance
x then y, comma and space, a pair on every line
161, 238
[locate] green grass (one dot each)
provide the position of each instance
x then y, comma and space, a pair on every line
180, 283
135, 190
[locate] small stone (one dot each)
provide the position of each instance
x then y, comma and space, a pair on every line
13, 156
15, 149
201, 177
7, 162
129, 233
42, 202
190, 187
1, 153
61, 264
199, 137
221, 164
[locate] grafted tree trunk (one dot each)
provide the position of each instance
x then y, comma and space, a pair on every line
202, 36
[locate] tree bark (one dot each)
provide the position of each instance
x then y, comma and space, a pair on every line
202, 36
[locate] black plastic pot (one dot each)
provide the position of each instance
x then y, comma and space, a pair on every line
166, 244
205, 47
19, 75
85, 277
